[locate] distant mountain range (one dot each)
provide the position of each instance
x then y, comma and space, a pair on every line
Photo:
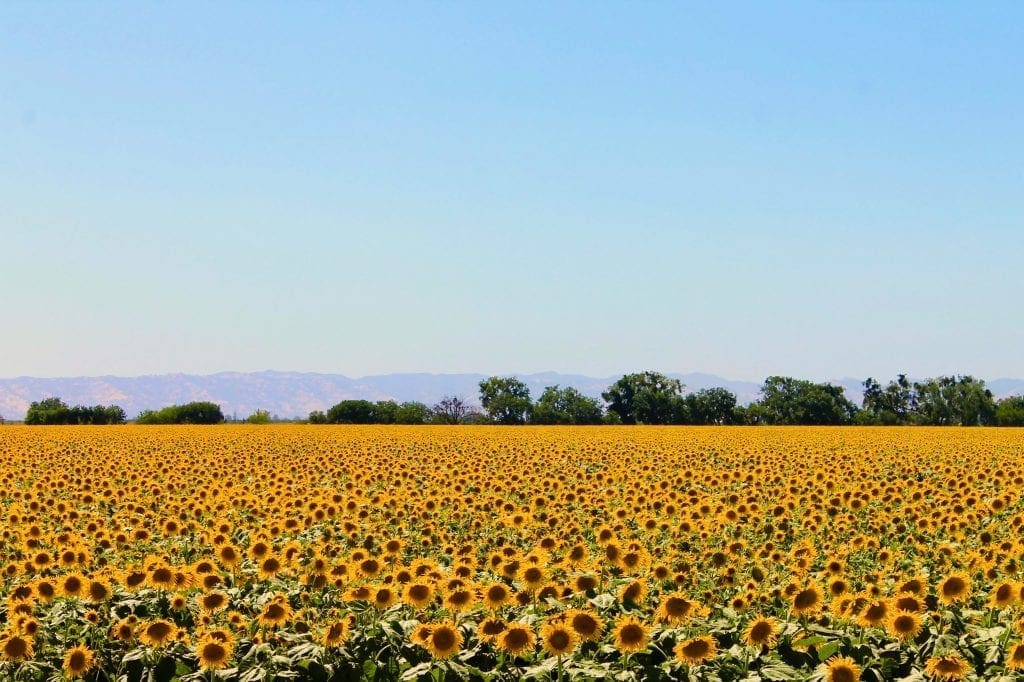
296, 394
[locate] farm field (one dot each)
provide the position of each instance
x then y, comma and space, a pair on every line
488, 553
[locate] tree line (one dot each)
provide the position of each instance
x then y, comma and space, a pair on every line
53, 411
638, 398
654, 398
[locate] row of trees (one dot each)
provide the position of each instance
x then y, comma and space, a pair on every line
190, 413
653, 398
55, 411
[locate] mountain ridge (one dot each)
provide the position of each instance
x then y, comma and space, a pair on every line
289, 394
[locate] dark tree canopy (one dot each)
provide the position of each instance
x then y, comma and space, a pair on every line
201, 412
796, 401
954, 401
412, 413
710, 406
646, 398
1010, 411
352, 412
506, 400
53, 411
565, 406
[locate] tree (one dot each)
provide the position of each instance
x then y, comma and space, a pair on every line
384, 412
646, 398
351, 412
796, 401
54, 411
1010, 411
565, 406
954, 401
201, 412
710, 406
506, 400
258, 417
412, 413
450, 410
894, 404
317, 417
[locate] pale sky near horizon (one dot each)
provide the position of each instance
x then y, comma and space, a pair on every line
813, 189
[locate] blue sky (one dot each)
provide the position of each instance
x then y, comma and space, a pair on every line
814, 189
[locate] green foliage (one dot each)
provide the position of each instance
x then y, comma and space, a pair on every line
1010, 411
54, 411
710, 406
352, 412
201, 412
258, 417
412, 413
796, 401
646, 398
506, 400
565, 406
384, 412
317, 417
954, 401
888, 406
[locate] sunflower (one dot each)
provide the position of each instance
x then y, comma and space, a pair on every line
516, 639
229, 555
557, 638
908, 601
99, 591
675, 609
807, 601
459, 600
384, 598
489, 629
904, 625
496, 595
1004, 594
842, 669
78, 660
212, 601
123, 630
633, 592
156, 633
630, 634
336, 633
418, 595
874, 614
695, 651
214, 652
73, 585
444, 640
275, 612
761, 632
948, 667
14, 647
533, 577
954, 588
1015, 657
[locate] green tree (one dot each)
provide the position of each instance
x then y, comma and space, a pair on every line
796, 401
646, 398
317, 417
201, 412
1010, 411
565, 406
710, 406
385, 412
258, 417
893, 404
54, 411
954, 401
412, 413
506, 400
351, 412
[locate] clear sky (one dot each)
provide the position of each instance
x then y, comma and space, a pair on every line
813, 189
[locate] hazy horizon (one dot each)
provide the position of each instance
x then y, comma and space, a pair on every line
819, 190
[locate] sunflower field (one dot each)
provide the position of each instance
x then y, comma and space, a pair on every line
484, 553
